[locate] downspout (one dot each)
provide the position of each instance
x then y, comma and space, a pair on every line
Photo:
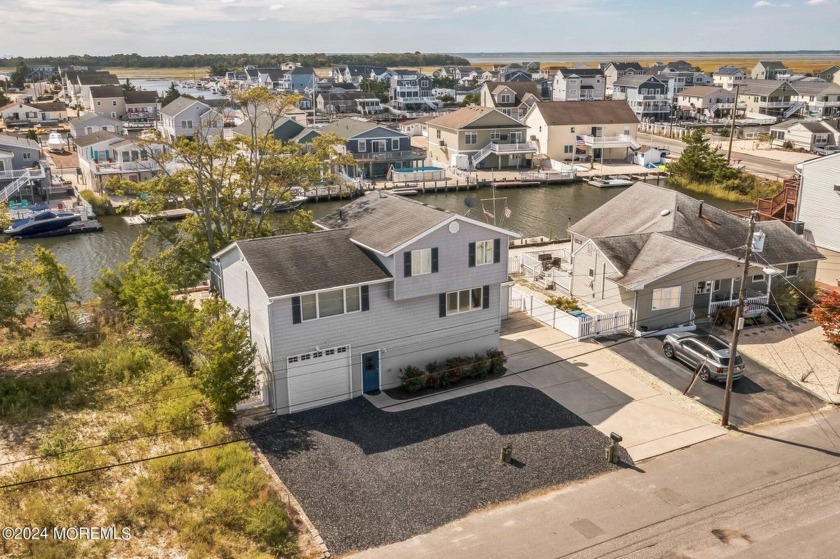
248, 302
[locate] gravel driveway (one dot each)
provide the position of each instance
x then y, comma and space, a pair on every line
368, 477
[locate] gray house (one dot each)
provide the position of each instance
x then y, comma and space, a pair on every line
673, 259
374, 147
389, 283
22, 173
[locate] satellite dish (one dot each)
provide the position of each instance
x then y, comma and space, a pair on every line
665, 212
470, 202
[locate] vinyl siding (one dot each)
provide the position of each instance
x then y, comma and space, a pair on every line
598, 291
819, 203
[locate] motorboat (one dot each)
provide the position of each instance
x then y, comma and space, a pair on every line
41, 222
289, 205
55, 143
619, 180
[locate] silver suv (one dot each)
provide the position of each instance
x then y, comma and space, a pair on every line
712, 352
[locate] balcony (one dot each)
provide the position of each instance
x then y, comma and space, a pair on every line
754, 305
662, 97
605, 142
404, 155
513, 147
775, 104
115, 167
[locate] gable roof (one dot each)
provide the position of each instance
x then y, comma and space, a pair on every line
97, 78
95, 138
703, 90
179, 105
305, 262
102, 91
635, 80
580, 72
93, 116
49, 106
348, 127
141, 96
772, 65
729, 71
282, 128
519, 88
622, 66
557, 113
464, 118
8, 140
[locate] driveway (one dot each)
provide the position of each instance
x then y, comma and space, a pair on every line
759, 396
368, 477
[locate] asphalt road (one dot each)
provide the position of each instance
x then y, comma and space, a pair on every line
761, 395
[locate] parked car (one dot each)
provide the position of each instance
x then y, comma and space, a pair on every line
711, 352
827, 150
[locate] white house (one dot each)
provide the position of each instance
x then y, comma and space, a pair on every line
185, 117
819, 208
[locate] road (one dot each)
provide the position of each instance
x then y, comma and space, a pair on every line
767, 493
761, 395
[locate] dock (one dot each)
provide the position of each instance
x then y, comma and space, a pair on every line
516, 184
163, 215
405, 191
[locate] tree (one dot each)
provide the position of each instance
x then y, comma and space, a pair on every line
15, 282
18, 77
4, 100
128, 86
700, 163
223, 355
471, 99
378, 88
170, 95
447, 83
58, 287
827, 315
218, 70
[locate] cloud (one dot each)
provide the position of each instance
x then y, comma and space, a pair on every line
766, 4
502, 3
466, 8
816, 2
275, 7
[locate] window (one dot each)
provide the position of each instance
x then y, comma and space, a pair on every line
568, 149
792, 269
470, 138
666, 298
113, 103
464, 301
757, 278
703, 287
421, 262
437, 133
504, 98
483, 253
99, 103
362, 145
27, 155
395, 144
494, 136
186, 124
572, 130
330, 303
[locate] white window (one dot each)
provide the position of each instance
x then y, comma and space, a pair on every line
395, 144
186, 124
483, 253
421, 262
330, 303
463, 301
568, 149
707, 286
362, 145
504, 98
470, 138
792, 269
666, 298
758, 278
494, 136
437, 133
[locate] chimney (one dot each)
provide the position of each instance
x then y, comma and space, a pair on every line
700, 212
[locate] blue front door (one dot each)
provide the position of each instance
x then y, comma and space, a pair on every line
370, 372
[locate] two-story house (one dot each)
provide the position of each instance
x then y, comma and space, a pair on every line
374, 147
728, 77
107, 100
804, 134
646, 95
818, 207
338, 101
578, 84
412, 91
22, 171
34, 112
614, 70
510, 98
768, 97
389, 283
816, 99
189, 118
92, 122
140, 106
679, 80
701, 102
84, 81
577, 130
297, 80
830, 74
768, 70
104, 155
355, 73
479, 138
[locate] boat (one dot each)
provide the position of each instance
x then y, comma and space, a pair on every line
55, 143
289, 205
42, 222
619, 180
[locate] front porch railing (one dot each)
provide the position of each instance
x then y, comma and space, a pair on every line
753, 306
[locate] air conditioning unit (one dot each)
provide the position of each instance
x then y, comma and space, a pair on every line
797, 227
442, 143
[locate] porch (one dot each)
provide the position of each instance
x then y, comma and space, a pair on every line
712, 296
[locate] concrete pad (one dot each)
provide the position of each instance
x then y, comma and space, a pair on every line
551, 375
627, 383
674, 442
580, 398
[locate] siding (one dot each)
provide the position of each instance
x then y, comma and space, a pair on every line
819, 203
600, 292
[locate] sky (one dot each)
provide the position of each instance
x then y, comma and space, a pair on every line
156, 27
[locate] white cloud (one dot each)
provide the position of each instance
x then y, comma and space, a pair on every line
466, 8
275, 7
816, 2
766, 4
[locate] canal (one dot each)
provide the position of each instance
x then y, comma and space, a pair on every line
544, 211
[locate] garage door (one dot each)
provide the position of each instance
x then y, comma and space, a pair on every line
319, 378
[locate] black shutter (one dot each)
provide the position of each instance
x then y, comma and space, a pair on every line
434, 260
407, 264
485, 297
497, 251
295, 310
472, 255
365, 298
442, 304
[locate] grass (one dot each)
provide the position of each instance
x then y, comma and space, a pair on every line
101, 204
80, 410
763, 188
706, 65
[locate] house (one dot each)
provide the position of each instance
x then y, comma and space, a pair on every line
577, 130
771, 70
614, 70
92, 122
671, 259
464, 75
816, 99
416, 127
264, 77
479, 137
804, 134
510, 98
389, 283
338, 101
818, 208
104, 155
297, 80
679, 80
47, 111
22, 171
185, 118
107, 100
355, 73
282, 128
831, 74
768, 97
140, 106
701, 102
79, 93
728, 77
646, 95
578, 84
412, 91
375, 148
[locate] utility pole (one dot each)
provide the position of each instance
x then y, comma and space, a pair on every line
732, 129
733, 346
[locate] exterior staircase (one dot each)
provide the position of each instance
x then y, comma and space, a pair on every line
478, 157
12, 188
782, 206
793, 108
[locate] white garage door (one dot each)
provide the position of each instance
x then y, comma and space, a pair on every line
319, 378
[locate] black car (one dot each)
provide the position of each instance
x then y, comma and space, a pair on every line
712, 352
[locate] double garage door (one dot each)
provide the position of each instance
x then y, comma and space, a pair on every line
319, 378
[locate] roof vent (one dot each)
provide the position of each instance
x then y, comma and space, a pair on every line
665, 212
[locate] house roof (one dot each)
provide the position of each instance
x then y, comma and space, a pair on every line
305, 262
302, 70
93, 116
49, 106
773, 65
7, 140
348, 127
703, 90
635, 80
762, 87
812, 126
622, 66
178, 105
95, 138
141, 96
581, 72
729, 71
274, 74
585, 112
102, 91
463, 118
283, 128
641, 210
98, 78
519, 88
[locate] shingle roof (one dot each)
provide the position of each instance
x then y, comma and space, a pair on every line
7, 140
519, 88
102, 91
291, 264
141, 96
581, 72
703, 90
348, 127
762, 87
178, 105
729, 71
585, 112
462, 118
95, 138
98, 78
49, 106
635, 80
384, 222
283, 128
773, 65
623, 66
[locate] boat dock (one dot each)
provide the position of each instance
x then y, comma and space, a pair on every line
516, 184
174, 214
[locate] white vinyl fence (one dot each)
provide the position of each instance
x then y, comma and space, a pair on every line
578, 327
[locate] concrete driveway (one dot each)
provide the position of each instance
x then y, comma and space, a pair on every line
758, 397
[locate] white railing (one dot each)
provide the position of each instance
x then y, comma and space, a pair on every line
774, 104
27, 175
518, 147
605, 324
793, 108
482, 153
753, 306
514, 265
620, 141
575, 326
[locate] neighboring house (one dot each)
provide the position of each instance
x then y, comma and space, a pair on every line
768, 97
728, 77
390, 283
578, 84
282, 128
679, 80
479, 137
92, 122
355, 73
105, 155
141, 106
769, 70
338, 101
816, 99
374, 147
575, 130
510, 98
107, 100
412, 91
22, 171
297, 80
818, 208
831, 75
808, 135
614, 70
672, 259
416, 127
185, 117
702, 102
34, 112
83, 83
646, 95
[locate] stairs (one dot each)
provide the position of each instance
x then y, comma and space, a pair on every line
478, 157
782, 205
12, 188
794, 108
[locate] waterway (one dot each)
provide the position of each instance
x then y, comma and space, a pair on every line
544, 211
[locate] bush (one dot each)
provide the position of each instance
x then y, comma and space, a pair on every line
413, 379
441, 374
101, 204
565, 304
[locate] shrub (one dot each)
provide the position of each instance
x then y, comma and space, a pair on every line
413, 379
101, 204
827, 315
441, 374
497, 359
565, 304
